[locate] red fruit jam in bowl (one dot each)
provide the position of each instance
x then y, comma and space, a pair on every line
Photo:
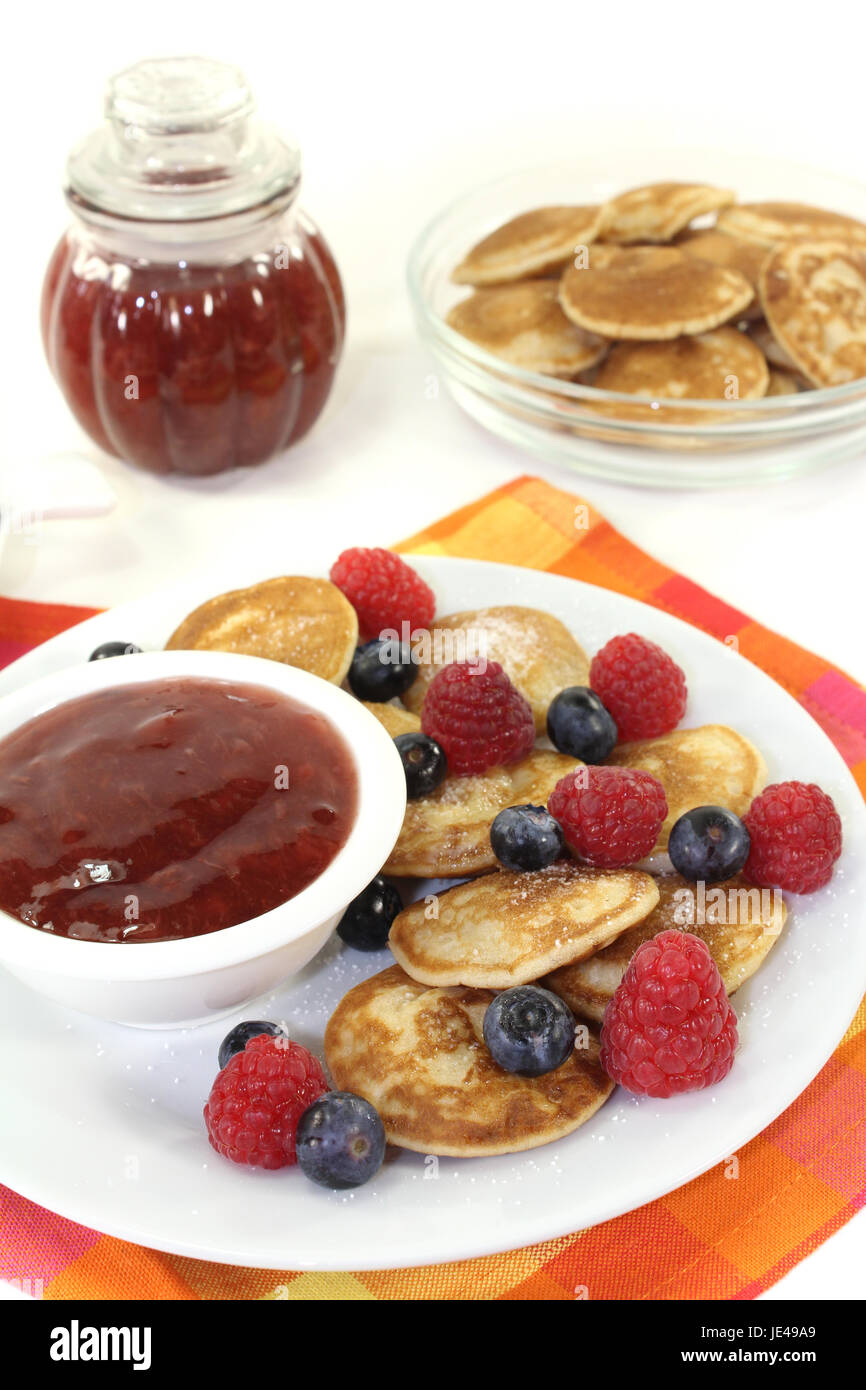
169, 809
192, 315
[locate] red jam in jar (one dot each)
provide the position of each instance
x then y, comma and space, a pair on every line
168, 809
192, 315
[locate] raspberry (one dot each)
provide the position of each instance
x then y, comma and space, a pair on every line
477, 716
256, 1101
670, 1026
796, 837
610, 816
384, 591
640, 686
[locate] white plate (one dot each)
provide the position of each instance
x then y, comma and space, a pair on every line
103, 1123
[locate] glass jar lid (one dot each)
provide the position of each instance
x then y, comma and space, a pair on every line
181, 142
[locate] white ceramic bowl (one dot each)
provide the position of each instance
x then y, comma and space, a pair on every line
164, 984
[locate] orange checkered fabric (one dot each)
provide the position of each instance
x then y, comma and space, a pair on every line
799, 1180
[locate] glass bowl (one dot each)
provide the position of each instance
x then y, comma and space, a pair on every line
605, 433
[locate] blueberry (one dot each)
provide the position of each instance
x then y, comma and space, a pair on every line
528, 1030
367, 920
424, 763
526, 837
340, 1141
708, 843
578, 724
237, 1039
113, 649
381, 669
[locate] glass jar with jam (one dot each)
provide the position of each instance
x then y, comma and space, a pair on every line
192, 315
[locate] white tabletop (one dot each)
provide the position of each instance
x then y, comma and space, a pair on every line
398, 109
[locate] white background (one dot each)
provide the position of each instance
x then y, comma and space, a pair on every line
397, 109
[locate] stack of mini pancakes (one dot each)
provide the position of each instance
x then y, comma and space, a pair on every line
673, 291
410, 1038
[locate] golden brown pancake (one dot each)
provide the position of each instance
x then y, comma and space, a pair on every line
657, 211
447, 834
708, 766
721, 365
536, 242
814, 298
770, 224
418, 1055
741, 925
746, 257
524, 325
510, 928
783, 383
300, 621
761, 336
535, 650
635, 297
601, 256
394, 719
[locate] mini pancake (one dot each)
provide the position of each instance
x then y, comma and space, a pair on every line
510, 928
657, 211
741, 926
447, 834
770, 224
708, 766
524, 325
775, 354
814, 297
720, 365
635, 297
535, 650
782, 383
418, 1055
394, 719
300, 621
532, 244
746, 257
600, 256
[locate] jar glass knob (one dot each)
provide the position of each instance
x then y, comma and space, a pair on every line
176, 96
